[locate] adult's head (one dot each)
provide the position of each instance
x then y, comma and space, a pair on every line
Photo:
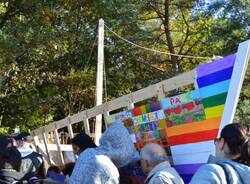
151, 155
10, 158
234, 143
81, 142
6, 142
23, 138
117, 144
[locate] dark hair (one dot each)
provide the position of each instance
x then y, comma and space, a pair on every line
10, 158
237, 138
55, 169
24, 136
6, 142
83, 141
68, 168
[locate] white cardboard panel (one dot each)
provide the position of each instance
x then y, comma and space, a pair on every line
237, 79
193, 148
191, 158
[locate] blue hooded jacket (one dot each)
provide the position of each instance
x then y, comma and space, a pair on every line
99, 165
218, 170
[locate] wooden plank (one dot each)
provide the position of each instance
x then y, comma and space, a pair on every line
36, 142
37, 132
86, 126
78, 117
97, 110
46, 146
71, 134
64, 147
106, 114
237, 79
146, 93
61, 123
130, 102
160, 93
118, 103
42, 152
99, 83
50, 127
59, 147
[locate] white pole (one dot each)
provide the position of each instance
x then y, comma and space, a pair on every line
99, 79
240, 67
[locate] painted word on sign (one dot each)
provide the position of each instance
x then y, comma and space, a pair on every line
152, 116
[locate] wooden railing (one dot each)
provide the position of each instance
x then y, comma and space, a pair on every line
156, 90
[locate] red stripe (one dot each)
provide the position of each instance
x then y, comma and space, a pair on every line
193, 137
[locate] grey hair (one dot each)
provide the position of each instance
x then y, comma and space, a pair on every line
153, 153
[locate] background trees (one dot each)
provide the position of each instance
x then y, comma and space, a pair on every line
49, 48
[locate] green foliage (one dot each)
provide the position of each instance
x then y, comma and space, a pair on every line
49, 51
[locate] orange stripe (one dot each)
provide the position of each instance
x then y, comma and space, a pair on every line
193, 137
199, 126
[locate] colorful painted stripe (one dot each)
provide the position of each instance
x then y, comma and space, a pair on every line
193, 137
215, 66
214, 100
215, 89
192, 158
155, 106
216, 111
209, 124
215, 77
188, 168
136, 111
186, 178
193, 148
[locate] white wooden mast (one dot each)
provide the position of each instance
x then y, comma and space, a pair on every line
99, 79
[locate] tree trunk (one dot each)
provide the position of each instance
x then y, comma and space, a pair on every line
174, 59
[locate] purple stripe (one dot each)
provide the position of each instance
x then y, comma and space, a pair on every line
155, 106
186, 178
188, 168
215, 66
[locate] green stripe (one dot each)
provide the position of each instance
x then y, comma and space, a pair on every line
214, 100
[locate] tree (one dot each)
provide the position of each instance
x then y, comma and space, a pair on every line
49, 48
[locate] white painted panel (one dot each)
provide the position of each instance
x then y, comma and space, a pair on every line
237, 79
192, 153
191, 158
193, 148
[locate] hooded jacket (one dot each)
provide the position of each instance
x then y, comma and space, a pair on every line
219, 170
99, 165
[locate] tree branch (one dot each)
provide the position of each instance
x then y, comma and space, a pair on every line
187, 32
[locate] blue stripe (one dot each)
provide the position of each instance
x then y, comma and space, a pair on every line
215, 77
196, 94
215, 89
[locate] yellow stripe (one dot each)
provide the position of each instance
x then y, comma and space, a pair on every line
199, 126
143, 109
216, 111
